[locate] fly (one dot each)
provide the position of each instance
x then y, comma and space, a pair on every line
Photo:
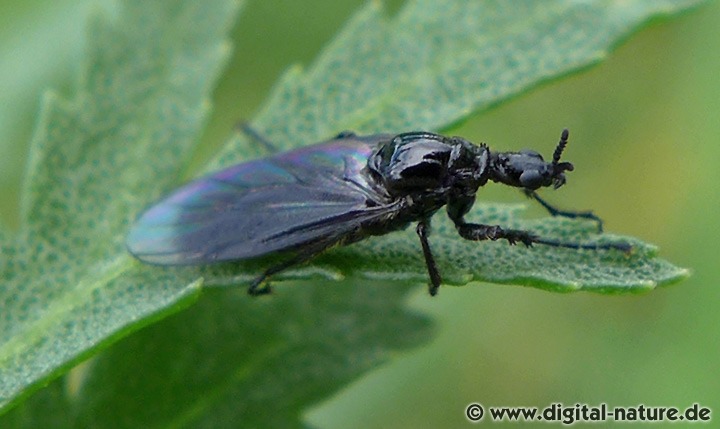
341, 191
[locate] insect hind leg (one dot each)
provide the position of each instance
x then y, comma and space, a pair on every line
260, 285
254, 134
345, 134
554, 211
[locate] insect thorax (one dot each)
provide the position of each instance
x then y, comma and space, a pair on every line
419, 161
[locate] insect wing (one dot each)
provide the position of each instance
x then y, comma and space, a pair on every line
262, 206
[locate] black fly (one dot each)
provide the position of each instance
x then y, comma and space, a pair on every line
339, 192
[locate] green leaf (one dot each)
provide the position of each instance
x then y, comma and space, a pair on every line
69, 287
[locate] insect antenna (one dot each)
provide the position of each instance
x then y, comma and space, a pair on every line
560, 167
561, 146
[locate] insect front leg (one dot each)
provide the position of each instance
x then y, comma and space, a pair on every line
423, 230
564, 213
459, 205
478, 232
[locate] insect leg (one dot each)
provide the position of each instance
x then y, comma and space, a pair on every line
477, 232
565, 213
254, 134
345, 134
259, 285
423, 230
622, 246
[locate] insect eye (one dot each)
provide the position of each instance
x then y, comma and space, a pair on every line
532, 179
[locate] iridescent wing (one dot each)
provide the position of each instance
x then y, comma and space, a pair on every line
311, 194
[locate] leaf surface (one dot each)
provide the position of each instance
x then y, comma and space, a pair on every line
70, 288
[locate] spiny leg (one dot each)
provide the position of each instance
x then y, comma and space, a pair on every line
478, 232
564, 213
423, 230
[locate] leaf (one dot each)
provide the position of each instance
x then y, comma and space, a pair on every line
98, 159
68, 284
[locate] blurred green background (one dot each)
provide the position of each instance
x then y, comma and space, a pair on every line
645, 141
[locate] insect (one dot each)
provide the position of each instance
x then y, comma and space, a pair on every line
341, 191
